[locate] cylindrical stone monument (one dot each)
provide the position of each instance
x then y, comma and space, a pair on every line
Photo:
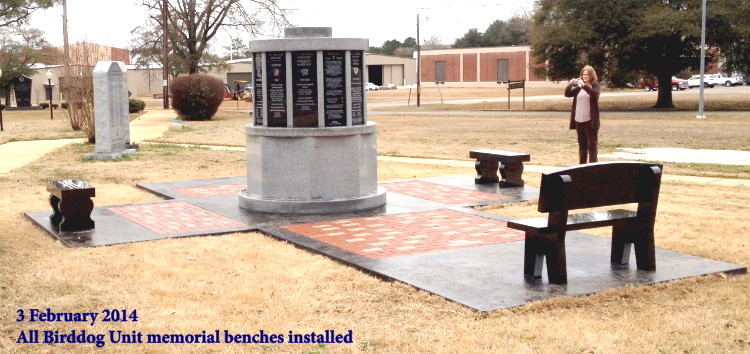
310, 149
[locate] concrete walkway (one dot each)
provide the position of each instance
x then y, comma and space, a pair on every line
17, 154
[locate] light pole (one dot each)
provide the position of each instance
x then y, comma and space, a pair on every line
1, 107
701, 114
49, 84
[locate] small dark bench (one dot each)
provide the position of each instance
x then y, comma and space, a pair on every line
590, 186
72, 205
509, 163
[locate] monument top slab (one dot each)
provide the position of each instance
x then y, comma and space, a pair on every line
307, 32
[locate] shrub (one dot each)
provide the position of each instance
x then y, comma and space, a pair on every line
135, 105
196, 96
44, 105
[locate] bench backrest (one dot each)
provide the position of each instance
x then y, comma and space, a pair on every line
600, 184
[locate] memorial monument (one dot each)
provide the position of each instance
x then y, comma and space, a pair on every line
111, 114
310, 149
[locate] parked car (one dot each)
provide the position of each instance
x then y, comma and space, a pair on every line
388, 87
695, 81
653, 85
372, 87
727, 81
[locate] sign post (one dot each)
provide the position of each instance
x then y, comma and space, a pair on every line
515, 85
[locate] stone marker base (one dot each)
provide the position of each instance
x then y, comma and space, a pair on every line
311, 170
109, 156
258, 204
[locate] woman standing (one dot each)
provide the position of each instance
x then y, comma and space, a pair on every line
584, 116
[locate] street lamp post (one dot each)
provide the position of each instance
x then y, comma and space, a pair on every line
49, 84
1, 107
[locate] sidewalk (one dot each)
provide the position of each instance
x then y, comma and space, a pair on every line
17, 154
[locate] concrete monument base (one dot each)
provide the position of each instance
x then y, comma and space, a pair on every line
109, 156
311, 170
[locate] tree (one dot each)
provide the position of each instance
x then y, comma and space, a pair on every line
194, 23
471, 39
19, 50
18, 12
434, 42
238, 49
507, 33
618, 38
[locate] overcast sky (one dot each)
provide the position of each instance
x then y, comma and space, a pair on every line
109, 22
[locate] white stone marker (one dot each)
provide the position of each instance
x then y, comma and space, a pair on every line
111, 111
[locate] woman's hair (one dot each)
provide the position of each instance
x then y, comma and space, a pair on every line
592, 73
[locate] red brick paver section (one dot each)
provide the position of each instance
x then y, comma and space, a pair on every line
440, 193
409, 233
175, 218
210, 191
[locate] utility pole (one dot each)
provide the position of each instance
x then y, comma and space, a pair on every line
66, 51
419, 65
165, 52
701, 114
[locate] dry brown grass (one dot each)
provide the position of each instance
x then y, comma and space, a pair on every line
245, 282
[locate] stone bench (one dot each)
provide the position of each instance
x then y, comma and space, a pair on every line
509, 163
72, 205
590, 186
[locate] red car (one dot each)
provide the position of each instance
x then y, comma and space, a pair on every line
653, 85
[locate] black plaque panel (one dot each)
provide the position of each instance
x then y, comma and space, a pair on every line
357, 94
335, 89
258, 88
276, 88
305, 88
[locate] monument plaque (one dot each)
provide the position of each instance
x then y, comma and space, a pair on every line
258, 88
276, 88
310, 149
358, 102
305, 89
334, 98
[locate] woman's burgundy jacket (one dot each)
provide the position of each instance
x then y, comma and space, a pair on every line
593, 91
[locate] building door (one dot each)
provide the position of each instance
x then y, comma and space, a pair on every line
375, 74
502, 70
440, 71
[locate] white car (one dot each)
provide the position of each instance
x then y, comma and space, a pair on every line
372, 87
695, 81
388, 87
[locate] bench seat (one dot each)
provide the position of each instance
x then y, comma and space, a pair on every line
576, 221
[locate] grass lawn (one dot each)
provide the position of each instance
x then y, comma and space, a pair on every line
247, 282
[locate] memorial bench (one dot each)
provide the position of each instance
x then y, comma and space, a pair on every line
509, 163
72, 205
589, 186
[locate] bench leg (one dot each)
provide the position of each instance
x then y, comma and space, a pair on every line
511, 173
56, 216
486, 172
76, 214
533, 260
625, 236
645, 254
621, 245
551, 247
557, 269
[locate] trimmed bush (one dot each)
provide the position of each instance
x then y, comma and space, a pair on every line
135, 105
196, 96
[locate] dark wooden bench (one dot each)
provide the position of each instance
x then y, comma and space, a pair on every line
72, 205
590, 186
509, 163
